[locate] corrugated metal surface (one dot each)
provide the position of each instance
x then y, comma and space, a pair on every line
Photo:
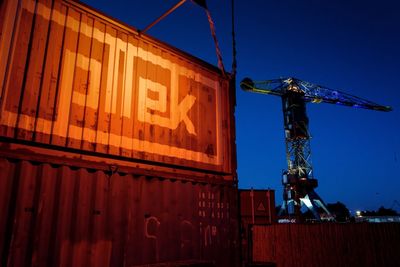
257, 204
327, 244
256, 207
71, 77
58, 215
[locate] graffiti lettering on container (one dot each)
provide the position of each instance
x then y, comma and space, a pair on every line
156, 223
138, 97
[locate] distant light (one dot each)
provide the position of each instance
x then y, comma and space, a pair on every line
358, 213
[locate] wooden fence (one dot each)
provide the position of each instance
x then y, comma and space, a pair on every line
327, 244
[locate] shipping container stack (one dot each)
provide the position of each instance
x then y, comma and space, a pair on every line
115, 148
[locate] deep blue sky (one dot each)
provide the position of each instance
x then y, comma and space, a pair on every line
348, 45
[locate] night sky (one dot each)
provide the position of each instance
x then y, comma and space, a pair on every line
352, 46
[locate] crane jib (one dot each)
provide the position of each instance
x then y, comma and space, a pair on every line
312, 92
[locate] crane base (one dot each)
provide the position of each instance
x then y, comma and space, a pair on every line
308, 208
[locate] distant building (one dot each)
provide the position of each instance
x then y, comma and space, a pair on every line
378, 219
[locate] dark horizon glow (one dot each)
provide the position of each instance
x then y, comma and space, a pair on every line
351, 46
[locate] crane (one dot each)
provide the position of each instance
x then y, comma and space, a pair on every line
298, 180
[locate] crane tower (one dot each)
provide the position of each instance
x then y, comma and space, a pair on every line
298, 180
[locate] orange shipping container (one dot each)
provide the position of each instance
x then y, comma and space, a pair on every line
73, 78
57, 212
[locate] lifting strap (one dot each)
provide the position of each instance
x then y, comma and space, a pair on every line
203, 4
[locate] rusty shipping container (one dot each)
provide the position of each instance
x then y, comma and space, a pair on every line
256, 207
67, 212
71, 77
115, 148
